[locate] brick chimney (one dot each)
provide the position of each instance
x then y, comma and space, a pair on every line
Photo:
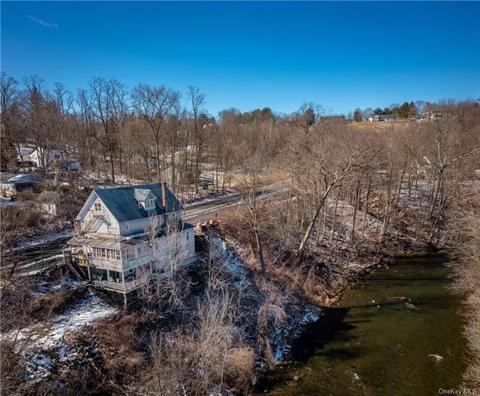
164, 197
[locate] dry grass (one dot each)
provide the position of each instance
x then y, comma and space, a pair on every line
119, 345
464, 222
11, 371
273, 175
381, 126
19, 306
15, 222
203, 356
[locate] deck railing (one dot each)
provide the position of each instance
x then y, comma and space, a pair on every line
137, 283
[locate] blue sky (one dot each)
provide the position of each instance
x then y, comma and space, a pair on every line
249, 55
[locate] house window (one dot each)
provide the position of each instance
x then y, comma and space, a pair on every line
98, 206
128, 253
115, 276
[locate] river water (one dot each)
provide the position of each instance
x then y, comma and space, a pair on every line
381, 338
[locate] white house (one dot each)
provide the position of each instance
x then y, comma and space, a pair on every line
44, 158
381, 117
125, 236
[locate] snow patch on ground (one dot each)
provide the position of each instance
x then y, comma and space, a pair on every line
299, 313
231, 262
7, 202
284, 336
49, 334
41, 240
44, 287
37, 365
42, 345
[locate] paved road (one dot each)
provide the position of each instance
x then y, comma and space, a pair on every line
41, 256
202, 211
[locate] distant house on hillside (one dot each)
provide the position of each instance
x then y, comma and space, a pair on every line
22, 179
126, 236
30, 156
26, 156
49, 203
10, 186
381, 118
432, 115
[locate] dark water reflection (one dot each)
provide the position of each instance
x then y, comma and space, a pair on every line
378, 339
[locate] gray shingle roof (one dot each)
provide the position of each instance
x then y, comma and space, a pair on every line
123, 205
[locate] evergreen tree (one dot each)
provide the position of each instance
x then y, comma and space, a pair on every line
357, 115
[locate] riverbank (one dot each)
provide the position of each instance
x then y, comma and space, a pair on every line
314, 286
464, 238
332, 264
382, 337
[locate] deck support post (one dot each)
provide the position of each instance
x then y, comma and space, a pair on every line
125, 302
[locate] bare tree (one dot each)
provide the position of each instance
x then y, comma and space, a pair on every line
164, 283
250, 187
152, 105
10, 119
105, 97
205, 356
197, 100
327, 165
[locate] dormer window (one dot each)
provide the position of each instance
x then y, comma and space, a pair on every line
145, 198
149, 204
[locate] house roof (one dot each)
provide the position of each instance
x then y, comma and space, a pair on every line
123, 204
26, 151
22, 178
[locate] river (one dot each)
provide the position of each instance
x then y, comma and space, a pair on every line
398, 332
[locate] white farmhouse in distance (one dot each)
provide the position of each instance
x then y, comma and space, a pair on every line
125, 236
43, 158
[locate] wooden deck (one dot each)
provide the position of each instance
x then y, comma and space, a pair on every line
128, 287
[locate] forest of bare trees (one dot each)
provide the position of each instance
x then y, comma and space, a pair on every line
156, 133
148, 133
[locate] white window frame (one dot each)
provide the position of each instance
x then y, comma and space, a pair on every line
128, 253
